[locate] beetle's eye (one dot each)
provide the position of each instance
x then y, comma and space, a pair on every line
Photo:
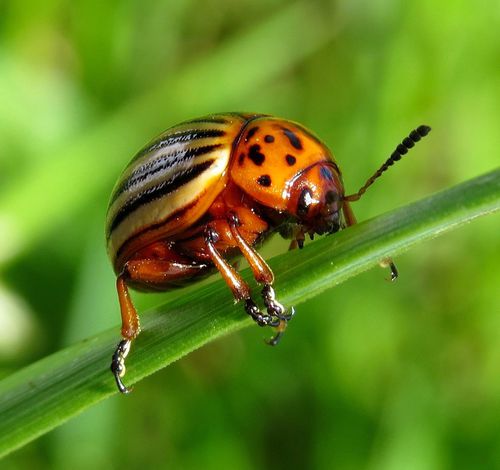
331, 197
305, 200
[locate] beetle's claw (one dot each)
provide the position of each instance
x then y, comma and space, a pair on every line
276, 316
274, 340
118, 364
289, 315
121, 386
280, 329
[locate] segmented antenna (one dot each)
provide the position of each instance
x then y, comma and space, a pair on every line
401, 149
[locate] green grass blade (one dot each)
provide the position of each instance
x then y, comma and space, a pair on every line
47, 393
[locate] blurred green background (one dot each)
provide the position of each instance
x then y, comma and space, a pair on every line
370, 374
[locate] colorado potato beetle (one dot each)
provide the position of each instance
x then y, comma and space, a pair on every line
215, 187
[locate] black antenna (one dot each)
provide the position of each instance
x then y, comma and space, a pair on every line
401, 149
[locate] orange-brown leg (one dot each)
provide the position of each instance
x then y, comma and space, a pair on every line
238, 286
261, 270
263, 275
351, 220
148, 271
130, 329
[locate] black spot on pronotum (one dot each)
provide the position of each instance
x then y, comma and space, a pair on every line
269, 139
241, 158
293, 138
264, 180
290, 159
251, 132
255, 155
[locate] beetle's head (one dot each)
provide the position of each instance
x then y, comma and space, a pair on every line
316, 196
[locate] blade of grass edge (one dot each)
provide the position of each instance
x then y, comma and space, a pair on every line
45, 394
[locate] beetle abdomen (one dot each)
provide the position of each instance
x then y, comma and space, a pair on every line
170, 183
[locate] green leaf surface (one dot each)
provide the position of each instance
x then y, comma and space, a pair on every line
49, 392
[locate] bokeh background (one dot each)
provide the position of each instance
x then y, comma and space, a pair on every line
370, 374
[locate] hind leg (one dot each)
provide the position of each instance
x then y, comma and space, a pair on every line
149, 272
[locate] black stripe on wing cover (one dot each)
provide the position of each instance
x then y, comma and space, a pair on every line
158, 191
179, 137
146, 171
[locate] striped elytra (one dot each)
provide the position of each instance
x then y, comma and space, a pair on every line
215, 187
180, 170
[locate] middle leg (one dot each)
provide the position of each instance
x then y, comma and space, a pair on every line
263, 275
240, 289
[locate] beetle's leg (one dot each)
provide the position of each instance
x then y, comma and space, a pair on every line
263, 275
239, 288
118, 364
261, 270
350, 219
130, 329
147, 271
158, 272
276, 308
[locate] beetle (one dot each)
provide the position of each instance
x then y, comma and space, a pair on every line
212, 188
